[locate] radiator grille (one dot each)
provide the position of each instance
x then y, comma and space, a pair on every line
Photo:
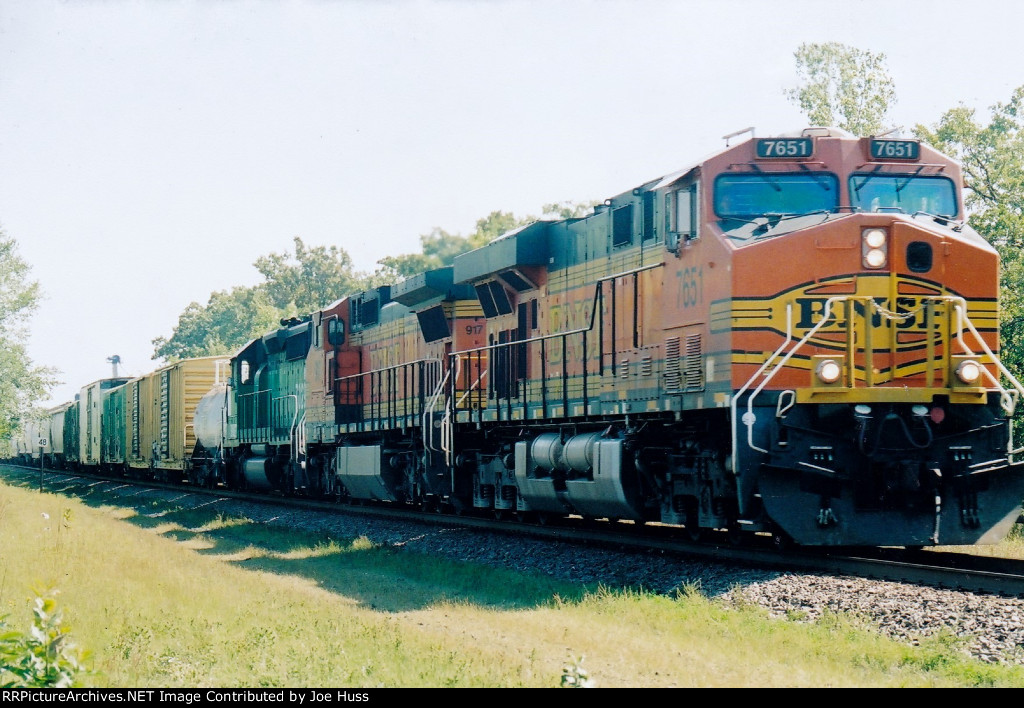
684, 365
692, 367
672, 373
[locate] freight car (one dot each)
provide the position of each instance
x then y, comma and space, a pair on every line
797, 336
148, 429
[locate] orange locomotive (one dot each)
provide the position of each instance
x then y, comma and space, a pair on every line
797, 336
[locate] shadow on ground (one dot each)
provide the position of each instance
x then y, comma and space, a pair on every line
377, 577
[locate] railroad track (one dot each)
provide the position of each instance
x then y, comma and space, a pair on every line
934, 568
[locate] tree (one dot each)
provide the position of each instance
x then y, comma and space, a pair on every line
312, 279
222, 326
439, 248
298, 284
843, 86
568, 209
22, 383
993, 162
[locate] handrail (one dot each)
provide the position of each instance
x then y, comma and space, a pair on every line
744, 387
579, 330
295, 413
383, 369
1008, 399
428, 412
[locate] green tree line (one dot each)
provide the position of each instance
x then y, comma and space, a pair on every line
309, 278
22, 383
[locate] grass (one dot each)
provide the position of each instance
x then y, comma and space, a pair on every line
1010, 547
165, 597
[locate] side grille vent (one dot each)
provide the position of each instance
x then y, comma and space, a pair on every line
693, 369
672, 373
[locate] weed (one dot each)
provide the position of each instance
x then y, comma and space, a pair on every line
575, 676
45, 657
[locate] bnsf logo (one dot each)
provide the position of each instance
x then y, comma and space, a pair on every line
907, 314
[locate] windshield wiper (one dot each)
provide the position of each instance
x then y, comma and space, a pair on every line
773, 219
874, 173
942, 219
820, 179
763, 175
900, 186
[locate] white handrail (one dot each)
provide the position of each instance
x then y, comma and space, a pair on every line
1008, 399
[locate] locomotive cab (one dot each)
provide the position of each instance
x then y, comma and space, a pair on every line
870, 405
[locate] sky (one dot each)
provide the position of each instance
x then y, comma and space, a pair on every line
151, 151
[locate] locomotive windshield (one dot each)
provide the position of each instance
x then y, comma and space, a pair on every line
904, 193
745, 196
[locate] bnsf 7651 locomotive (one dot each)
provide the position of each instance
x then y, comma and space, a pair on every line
796, 336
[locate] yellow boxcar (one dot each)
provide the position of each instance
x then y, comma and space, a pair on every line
159, 410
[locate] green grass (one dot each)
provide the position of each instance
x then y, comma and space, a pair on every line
164, 597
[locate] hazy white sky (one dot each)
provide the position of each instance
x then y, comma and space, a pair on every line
151, 151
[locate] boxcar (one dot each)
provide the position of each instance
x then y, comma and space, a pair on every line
158, 411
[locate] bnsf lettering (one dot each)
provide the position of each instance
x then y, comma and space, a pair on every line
910, 314
576, 314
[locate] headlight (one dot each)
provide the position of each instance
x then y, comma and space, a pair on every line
969, 371
874, 247
829, 371
875, 258
874, 238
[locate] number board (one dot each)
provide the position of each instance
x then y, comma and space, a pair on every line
785, 147
895, 149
